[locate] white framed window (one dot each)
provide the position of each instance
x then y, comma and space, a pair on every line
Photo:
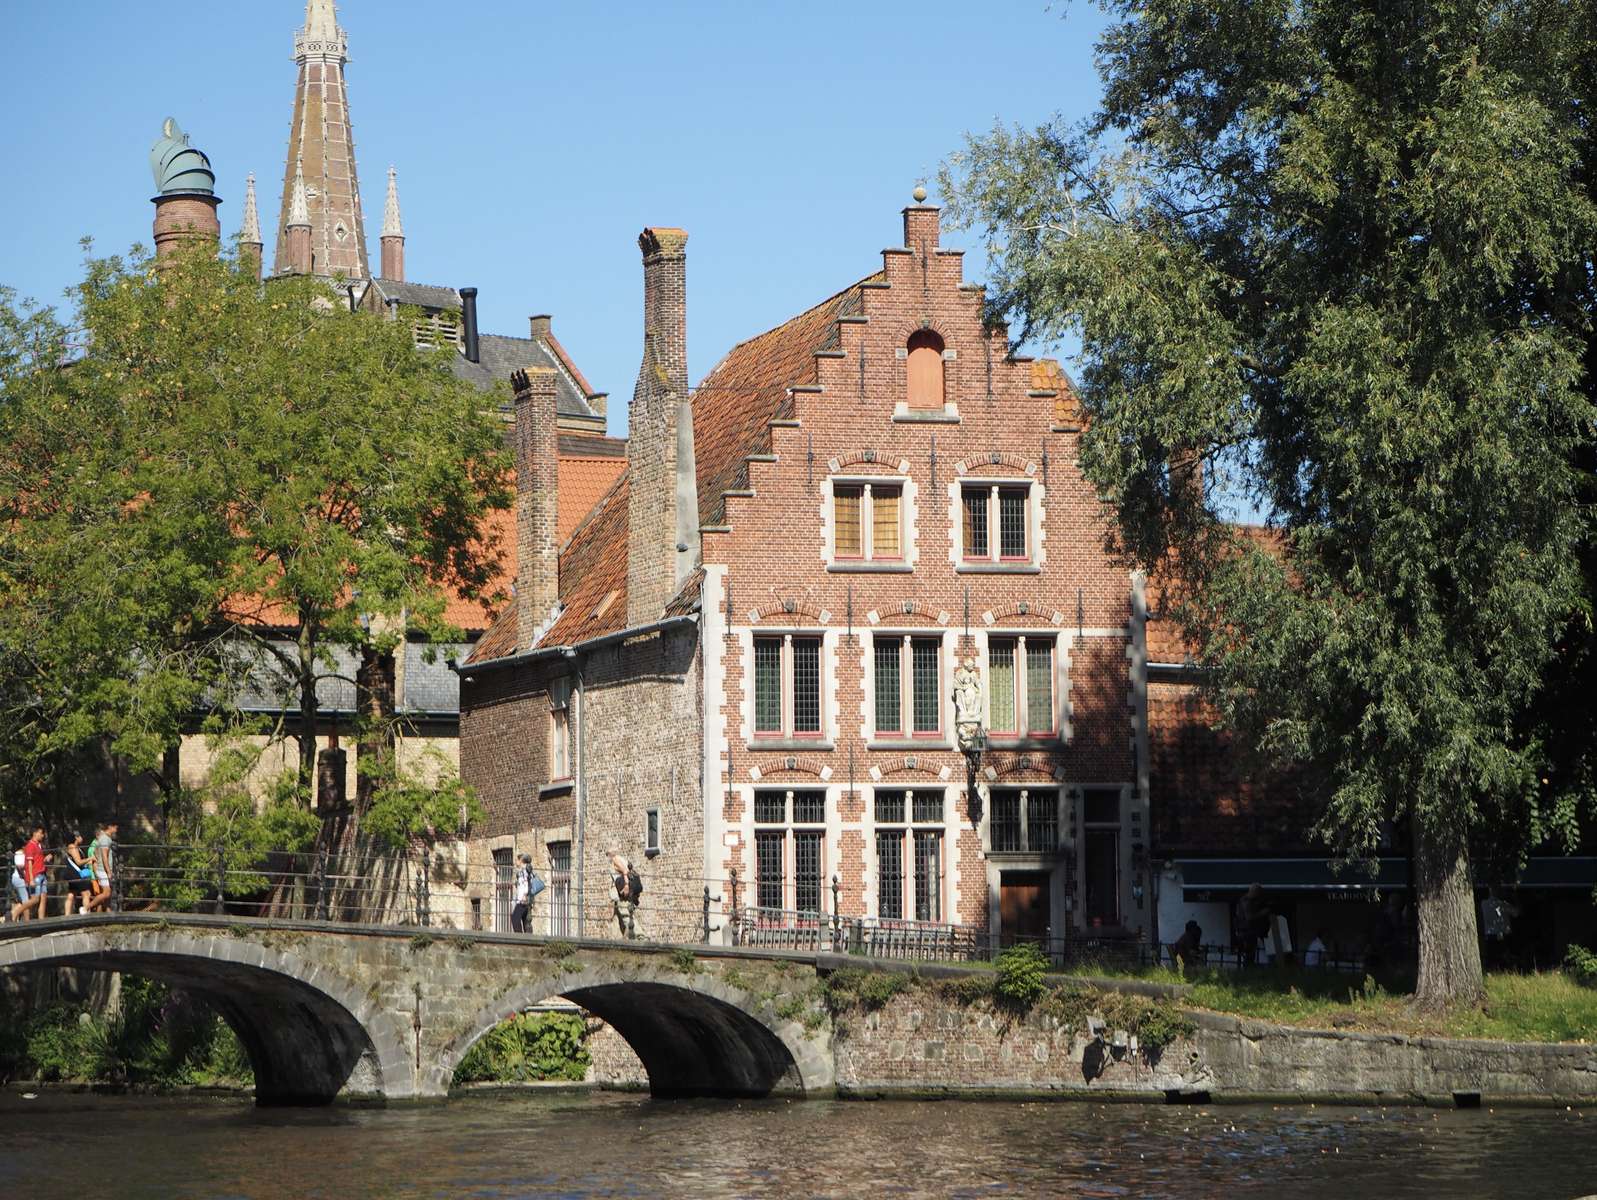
789, 850
1022, 693
907, 683
651, 832
1023, 820
559, 744
995, 520
868, 521
910, 879
787, 686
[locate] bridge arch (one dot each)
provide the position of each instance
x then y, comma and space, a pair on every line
310, 1034
695, 1034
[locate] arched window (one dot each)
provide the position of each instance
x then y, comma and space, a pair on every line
925, 370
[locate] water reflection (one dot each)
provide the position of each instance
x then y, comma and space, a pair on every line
590, 1146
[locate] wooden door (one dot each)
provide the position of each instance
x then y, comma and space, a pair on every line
1023, 905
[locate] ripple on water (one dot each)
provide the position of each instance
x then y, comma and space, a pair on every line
623, 1146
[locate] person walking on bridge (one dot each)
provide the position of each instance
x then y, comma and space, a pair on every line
528, 885
30, 879
628, 887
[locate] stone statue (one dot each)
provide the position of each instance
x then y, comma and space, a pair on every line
967, 705
177, 166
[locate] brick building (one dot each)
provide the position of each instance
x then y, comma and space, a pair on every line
764, 618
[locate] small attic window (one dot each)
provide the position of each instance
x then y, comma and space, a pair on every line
925, 374
604, 605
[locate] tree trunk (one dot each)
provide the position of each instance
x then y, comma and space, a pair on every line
307, 708
1449, 950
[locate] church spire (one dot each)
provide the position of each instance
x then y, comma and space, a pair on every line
297, 229
393, 239
249, 229
321, 143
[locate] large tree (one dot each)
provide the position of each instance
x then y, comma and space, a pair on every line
1336, 257
205, 481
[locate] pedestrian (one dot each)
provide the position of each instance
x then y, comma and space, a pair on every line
528, 885
1314, 954
1253, 923
30, 878
78, 874
102, 858
628, 887
1187, 950
1497, 919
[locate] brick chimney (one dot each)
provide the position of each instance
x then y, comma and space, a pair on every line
663, 505
537, 480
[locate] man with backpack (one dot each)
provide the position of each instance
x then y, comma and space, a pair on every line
528, 885
628, 887
30, 877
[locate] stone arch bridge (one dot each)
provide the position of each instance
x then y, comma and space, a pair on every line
329, 1011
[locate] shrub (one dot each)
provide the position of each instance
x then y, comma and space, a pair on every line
1581, 964
855, 987
1021, 976
526, 1048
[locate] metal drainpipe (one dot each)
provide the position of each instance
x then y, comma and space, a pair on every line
582, 789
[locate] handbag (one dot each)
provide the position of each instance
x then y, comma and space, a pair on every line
535, 884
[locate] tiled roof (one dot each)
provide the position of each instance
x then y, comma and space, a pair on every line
583, 481
1165, 643
1207, 798
732, 411
1048, 376
735, 403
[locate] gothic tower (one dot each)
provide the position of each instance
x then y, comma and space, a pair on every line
322, 143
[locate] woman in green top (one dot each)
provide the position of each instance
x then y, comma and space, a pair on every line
102, 851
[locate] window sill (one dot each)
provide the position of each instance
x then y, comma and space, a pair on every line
930, 416
997, 568
1025, 857
909, 744
998, 742
555, 788
869, 568
790, 744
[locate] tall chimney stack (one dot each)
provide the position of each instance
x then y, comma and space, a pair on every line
470, 342
185, 200
663, 506
537, 482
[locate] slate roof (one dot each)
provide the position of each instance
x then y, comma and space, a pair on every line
499, 355
429, 688
422, 295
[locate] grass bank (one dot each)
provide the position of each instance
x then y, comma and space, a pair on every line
1547, 1006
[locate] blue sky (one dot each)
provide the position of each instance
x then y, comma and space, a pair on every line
533, 142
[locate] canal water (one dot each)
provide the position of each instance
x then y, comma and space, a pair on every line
622, 1145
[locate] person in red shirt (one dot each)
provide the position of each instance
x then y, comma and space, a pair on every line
30, 881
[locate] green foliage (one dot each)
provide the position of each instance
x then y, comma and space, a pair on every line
1154, 1022
968, 989
685, 960
158, 1038
408, 806
528, 1047
1021, 977
856, 987
1581, 964
1335, 261
200, 459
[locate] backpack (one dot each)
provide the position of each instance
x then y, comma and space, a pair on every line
19, 860
634, 884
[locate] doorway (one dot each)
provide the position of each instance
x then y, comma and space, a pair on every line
1023, 906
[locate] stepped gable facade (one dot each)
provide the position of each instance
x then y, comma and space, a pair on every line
881, 493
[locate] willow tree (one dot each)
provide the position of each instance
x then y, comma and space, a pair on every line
1336, 258
205, 482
